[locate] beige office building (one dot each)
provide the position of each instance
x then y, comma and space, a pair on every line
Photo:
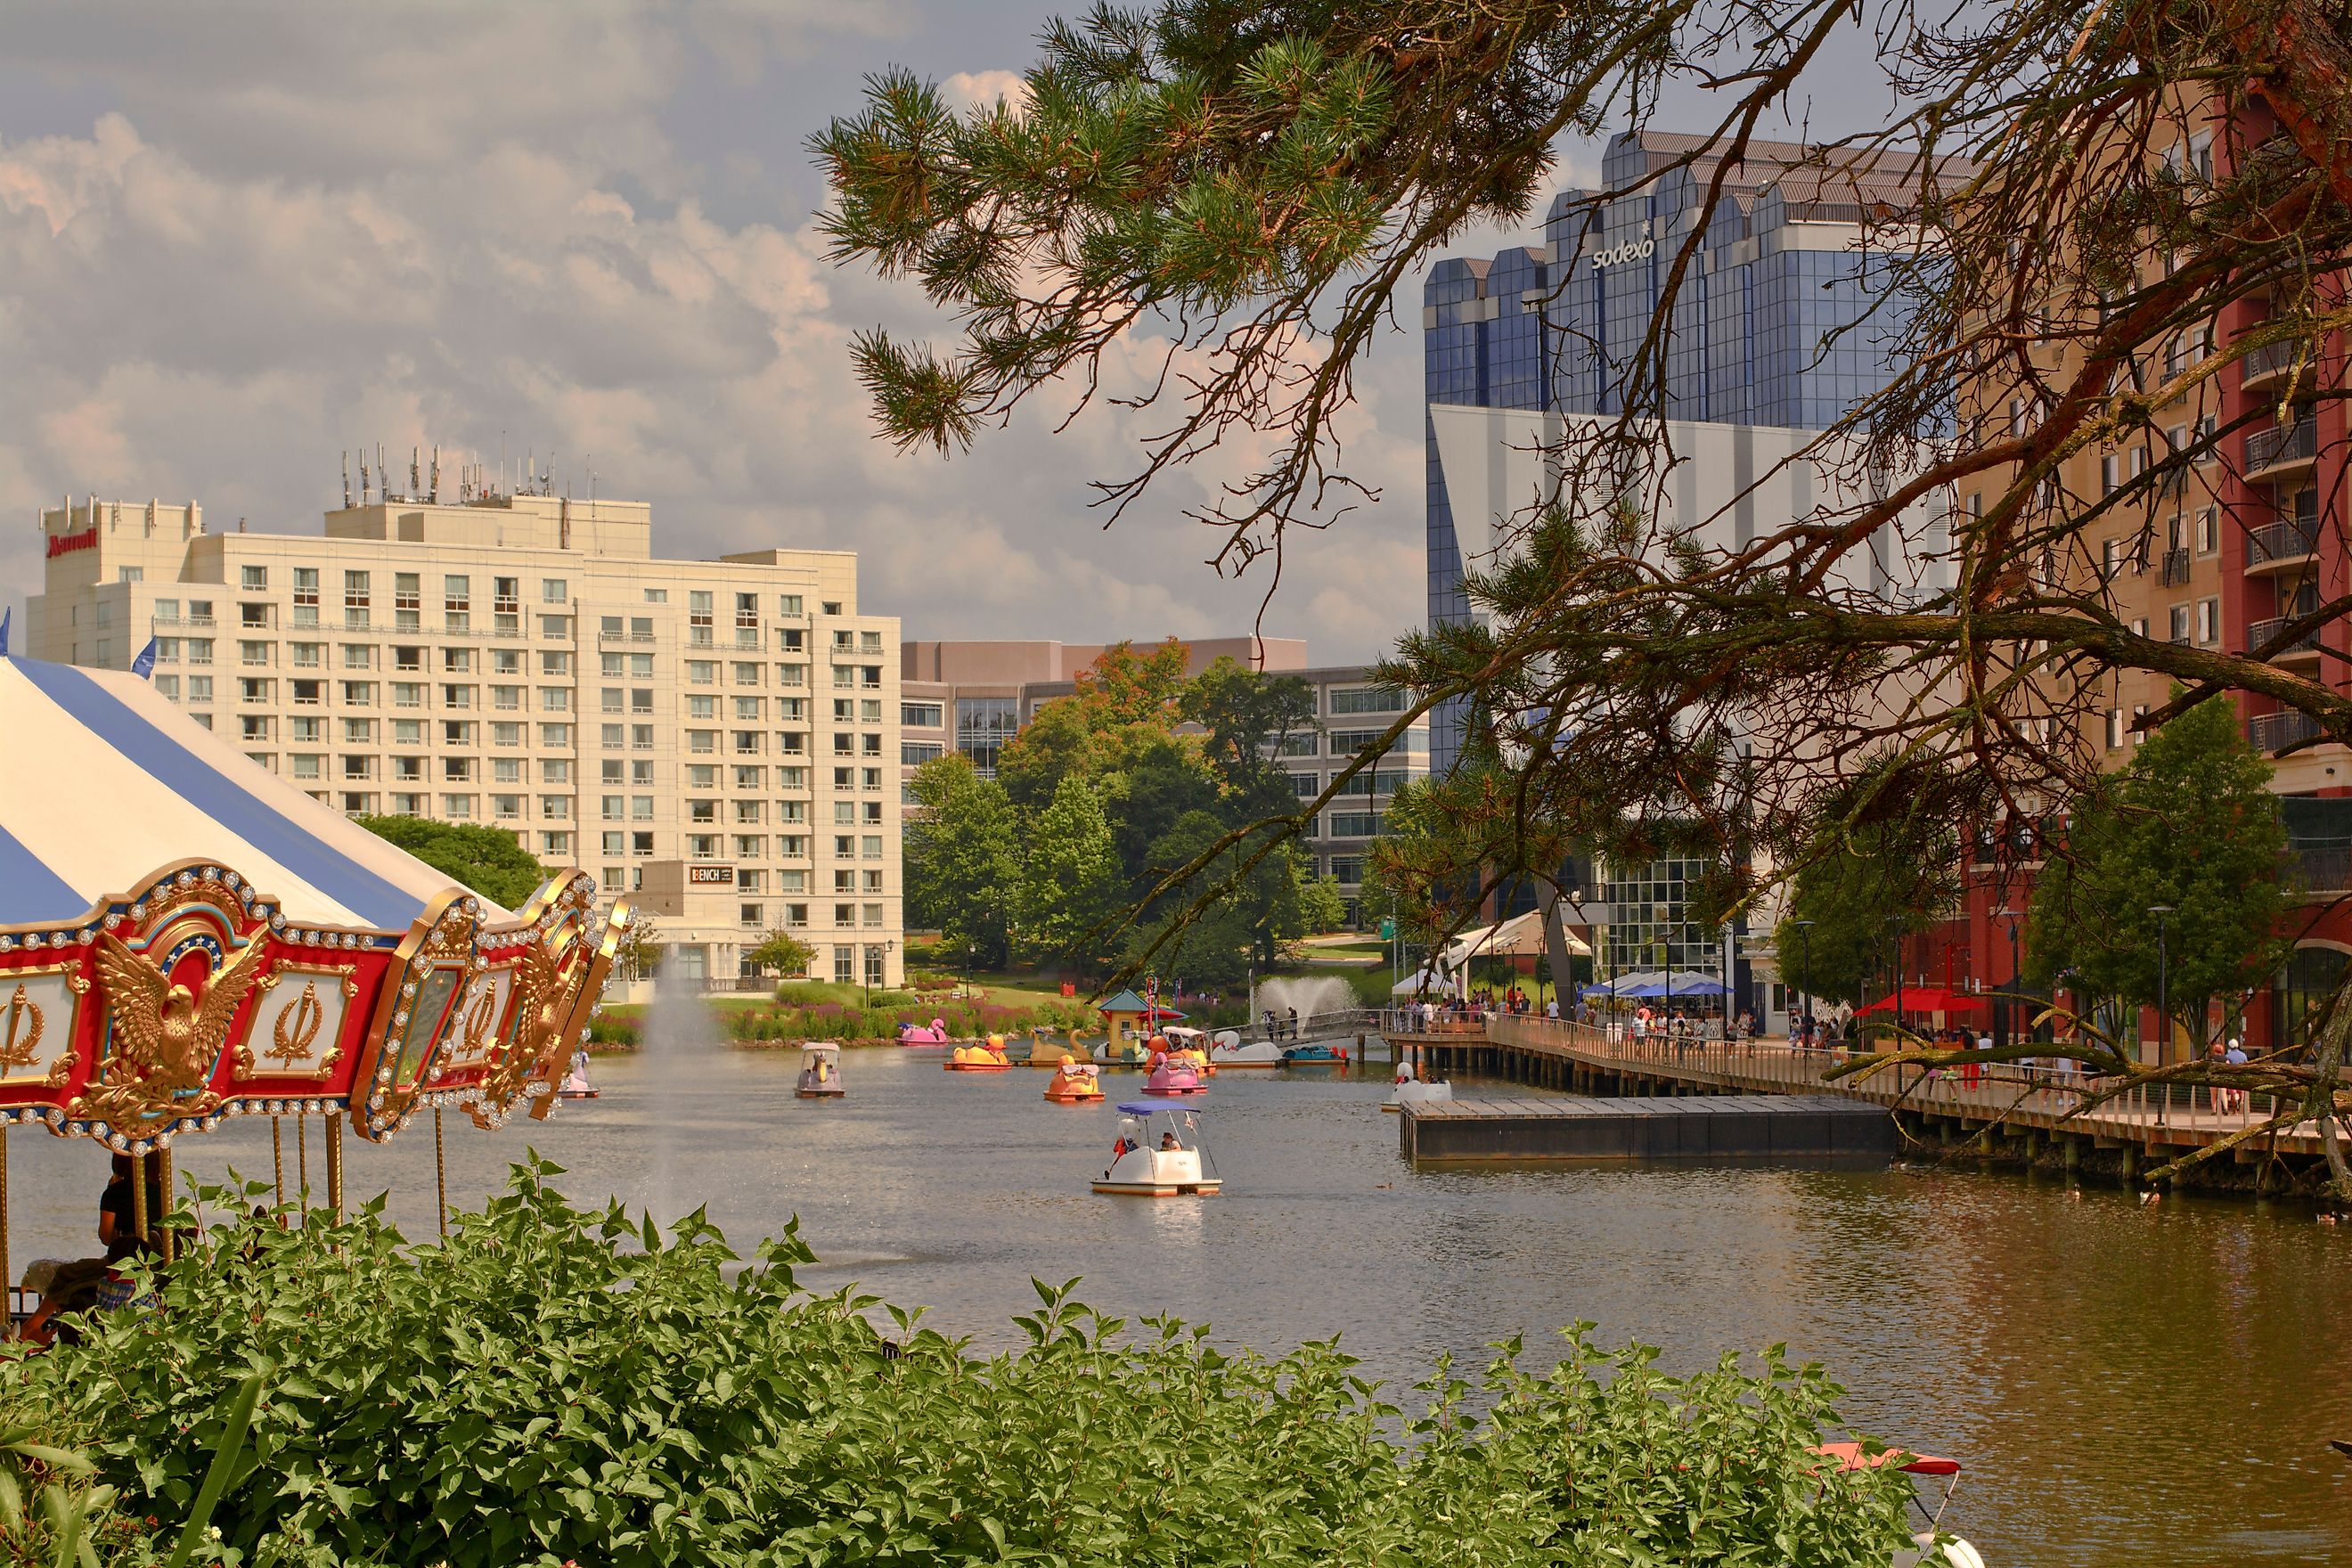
721, 736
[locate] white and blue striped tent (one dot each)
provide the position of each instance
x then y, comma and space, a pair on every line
103, 782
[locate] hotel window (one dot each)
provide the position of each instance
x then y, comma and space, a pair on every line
306, 595
457, 770
506, 697
845, 846
915, 754
616, 843
554, 844
505, 661
870, 847
750, 846
555, 807
698, 617
358, 656
359, 731
555, 700
702, 742
613, 808
844, 710
844, 959
870, 642
869, 746
702, 707
457, 602
555, 626
747, 813
359, 768
408, 658
253, 688
610, 771
702, 846
554, 591
641, 700
457, 696
506, 604
872, 916
355, 600
555, 663
869, 676
843, 639
870, 778
407, 694
872, 813
309, 693
199, 650
844, 678
790, 639
869, 711
169, 685
167, 651
506, 734
747, 619
657, 596
703, 672
641, 737
612, 700
750, 778
747, 672
458, 807
844, 811
200, 612
200, 688
791, 811
558, 736
641, 843
254, 618
506, 807
458, 731
408, 731
167, 611
641, 808
456, 661
749, 709
792, 845
788, 604
407, 601
253, 579
870, 881
253, 726
923, 715
844, 745
641, 772
610, 666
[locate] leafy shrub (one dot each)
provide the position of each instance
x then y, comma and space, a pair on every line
557, 1383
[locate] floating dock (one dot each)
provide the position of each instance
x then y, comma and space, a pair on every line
1705, 1127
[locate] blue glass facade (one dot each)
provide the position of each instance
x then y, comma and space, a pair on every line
1784, 320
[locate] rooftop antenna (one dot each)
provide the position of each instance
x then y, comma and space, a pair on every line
383, 475
434, 493
363, 477
416, 480
347, 478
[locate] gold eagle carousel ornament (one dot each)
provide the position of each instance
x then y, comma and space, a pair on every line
300, 966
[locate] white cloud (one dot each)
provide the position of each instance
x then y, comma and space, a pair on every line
210, 299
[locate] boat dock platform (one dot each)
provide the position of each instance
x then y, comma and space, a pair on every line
1709, 1127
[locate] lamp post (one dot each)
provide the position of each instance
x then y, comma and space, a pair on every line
1805, 942
2009, 1009
1575, 897
2163, 1002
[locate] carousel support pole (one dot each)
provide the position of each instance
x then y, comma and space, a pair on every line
440, 1182
139, 1196
278, 1159
7, 1279
164, 1188
335, 1167
303, 1160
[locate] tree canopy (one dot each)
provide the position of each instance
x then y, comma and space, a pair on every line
962, 860
2190, 827
490, 861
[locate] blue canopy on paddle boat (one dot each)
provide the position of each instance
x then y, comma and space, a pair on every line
1147, 1107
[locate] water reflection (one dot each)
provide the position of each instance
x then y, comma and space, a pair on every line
2125, 1384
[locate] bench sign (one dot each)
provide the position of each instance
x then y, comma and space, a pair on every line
710, 876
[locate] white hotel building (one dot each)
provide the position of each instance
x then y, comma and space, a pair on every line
721, 736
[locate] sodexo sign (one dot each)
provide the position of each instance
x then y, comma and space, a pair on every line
1640, 249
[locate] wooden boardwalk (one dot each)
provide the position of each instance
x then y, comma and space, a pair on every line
1712, 1127
2032, 1105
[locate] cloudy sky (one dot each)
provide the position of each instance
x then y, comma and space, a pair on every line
239, 238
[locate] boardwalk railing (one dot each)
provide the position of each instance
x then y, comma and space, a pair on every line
2043, 1097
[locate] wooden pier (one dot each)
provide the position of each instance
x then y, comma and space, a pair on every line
1812, 1127
2032, 1115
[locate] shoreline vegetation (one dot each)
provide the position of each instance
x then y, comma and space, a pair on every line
1007, 1004
555, 1384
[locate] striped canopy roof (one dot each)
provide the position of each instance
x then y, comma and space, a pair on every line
103, 782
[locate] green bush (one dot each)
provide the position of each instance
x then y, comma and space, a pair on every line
557, 1383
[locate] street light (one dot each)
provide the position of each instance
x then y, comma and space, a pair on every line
1805, 939
2163, 983
2010, 1006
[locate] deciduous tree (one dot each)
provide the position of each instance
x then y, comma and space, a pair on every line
962, 860
490, 861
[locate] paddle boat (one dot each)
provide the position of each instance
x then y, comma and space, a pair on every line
1127, 1053
1075, 1083
1173, 1075
1317, 1053
820, 1071
1929, 1548
1189, 1045
1043, 1049
984, 1056
1158, 1154
1228, 1049
576, 1084
1411, 1091
933, 1033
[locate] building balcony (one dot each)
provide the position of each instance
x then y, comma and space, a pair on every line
617, 639
2283, 450
2305, 648
2174, 571
2274, 733
2268, 366
2321, 869
2280, 546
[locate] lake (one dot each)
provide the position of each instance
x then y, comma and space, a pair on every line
2124, 1384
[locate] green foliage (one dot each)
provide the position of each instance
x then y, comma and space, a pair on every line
556, 1383
1070, 885
53, 1511
1887, 881
782, 952
2191, 823
962, 858
490, 861
1240, 712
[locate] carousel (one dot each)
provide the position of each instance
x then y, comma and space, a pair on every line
185, 937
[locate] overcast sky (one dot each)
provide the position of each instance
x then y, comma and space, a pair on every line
238, 239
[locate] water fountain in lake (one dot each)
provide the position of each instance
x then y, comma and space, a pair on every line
1310, 994
681, 1036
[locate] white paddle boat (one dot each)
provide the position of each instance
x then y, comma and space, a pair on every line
1411, 1091
1159, 1153
820, 1071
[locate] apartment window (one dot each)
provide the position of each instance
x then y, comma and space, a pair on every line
870, 847
2178, 628
791, 811
746, 672
359, 731
359, 768
657, 595
2209, 532
254, 617
506, 604
611, 699
2115, 728
795, 915
702, 742
309, 693
555, 626
358, 656
355, 599
641, 700
699, 619
870, 778
613, 807
457, 770
306, 595
830, 607
555, 663
641, 737
871, 881
703, 672
407, 694
199, 650
505, 661
554, 591
130, 574
407, 601
200, 612
457, 602
253, 579
254, 652
871, 813
750, 846
869, 711
167, 651
167, 611
2209, 620
611, 771
457, 696
871, 915
408, 731
641, 843
2110, 474
169, 685
790, 639
641, 808
506, 734
555, 807
844, 678
456, 661
747, 613
253, 726
844, 745
845, 846
252, 688
458, 807
870, 642
869, 746
555, 700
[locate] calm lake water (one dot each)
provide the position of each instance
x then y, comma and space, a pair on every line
2126, 1385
